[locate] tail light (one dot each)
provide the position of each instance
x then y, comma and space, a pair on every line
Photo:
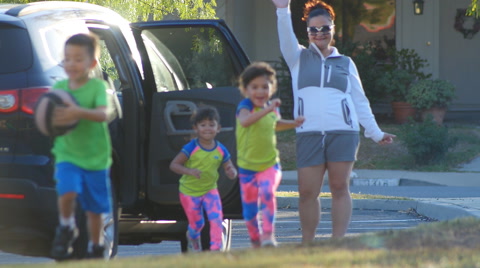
23, 99
8, 101
12, 196
29, 98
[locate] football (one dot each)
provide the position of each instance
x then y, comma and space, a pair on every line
43, 113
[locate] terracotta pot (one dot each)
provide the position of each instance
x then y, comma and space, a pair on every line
438, 114
402, 111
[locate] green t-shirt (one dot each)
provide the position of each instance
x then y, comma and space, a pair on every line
257, 143
88, 145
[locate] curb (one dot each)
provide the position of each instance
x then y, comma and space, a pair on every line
430, 209
373, 182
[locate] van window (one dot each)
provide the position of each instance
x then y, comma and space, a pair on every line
15, 50
165, 67
54, 37
189, 58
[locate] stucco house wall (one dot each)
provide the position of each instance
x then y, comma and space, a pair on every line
450, 55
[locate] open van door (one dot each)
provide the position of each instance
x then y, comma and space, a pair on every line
187, 64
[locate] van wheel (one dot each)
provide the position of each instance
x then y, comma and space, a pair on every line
226, 235
110, 228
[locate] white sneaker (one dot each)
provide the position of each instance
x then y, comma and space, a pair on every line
269, 243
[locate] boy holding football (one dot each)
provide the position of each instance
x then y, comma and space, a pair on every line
83, 155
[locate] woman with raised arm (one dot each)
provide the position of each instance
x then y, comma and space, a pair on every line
328, 92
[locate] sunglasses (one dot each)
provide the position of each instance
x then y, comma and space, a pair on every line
326, 29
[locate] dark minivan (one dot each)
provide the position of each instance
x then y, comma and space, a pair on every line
158, 72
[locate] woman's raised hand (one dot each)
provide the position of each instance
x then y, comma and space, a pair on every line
281, 3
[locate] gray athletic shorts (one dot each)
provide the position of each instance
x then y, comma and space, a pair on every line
316, 148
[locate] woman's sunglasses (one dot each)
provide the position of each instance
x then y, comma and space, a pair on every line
326, 29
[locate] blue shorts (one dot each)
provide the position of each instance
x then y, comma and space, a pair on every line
92, 187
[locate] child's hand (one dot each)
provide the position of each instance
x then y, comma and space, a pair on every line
231, 172
299, 121
194, 172
274, 104
65, 114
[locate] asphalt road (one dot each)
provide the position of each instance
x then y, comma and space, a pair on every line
288, 231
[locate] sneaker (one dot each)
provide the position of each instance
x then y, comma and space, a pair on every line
96, 252
255, 243
193, 245
269, 243
62, 244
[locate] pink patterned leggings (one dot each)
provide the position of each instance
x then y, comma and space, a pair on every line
193, 207
258, 193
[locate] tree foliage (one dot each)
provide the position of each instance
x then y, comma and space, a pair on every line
473, 9
142, 10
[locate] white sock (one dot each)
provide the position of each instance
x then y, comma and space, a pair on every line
70, 222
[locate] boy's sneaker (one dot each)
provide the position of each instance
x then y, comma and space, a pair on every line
62, 244
194, 245
97, 252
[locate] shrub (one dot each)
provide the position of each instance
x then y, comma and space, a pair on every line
427, 142
284, 88
405, 68
408, 59
428, 93
396, 84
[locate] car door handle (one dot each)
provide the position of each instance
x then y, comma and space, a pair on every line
183, 109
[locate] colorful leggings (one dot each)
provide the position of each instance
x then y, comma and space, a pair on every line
258, 191
194, 206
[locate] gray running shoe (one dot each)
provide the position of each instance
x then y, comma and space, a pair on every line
194, 245
62, 244
97, 252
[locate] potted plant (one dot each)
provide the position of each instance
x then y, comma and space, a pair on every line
404, 69
432, 96
396, 84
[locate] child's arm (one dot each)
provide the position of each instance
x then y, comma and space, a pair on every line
283, 124
178, 166
246, 118
71, 112
230, 170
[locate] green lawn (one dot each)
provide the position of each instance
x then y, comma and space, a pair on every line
439, 244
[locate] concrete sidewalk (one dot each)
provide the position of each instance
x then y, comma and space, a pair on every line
436, 208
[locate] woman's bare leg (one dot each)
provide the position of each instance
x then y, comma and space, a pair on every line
339, 180
310, 180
